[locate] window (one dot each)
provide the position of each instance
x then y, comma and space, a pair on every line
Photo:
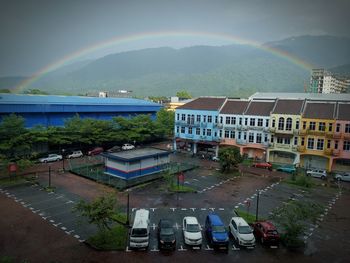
347, 128
221, 119
232, 134
233, 120
183, 117
322, 126
227, 134
251, 137
191, 121
304, 125
260, 122
267, 123
328, 144
220, 133
178, 116
346, 146
312, 125
335, 144
227, 120
198, 131
302, 141
198, 118
216, 119
188, 118
310, 143
320, 144
272, 138
286, 140
252, 122
295, 140
210, 119
177, 129
337, 129
240, 121
182, 129
258, 138
204, 118
281, 123
245, 121
208, 132
189, 130
289, 124
279, 140
239, 135
273, 123
297, 124
330, 127
245, 136
265, 138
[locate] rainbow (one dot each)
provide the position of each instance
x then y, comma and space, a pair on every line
154, 35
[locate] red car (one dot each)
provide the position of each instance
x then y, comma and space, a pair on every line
95, 151
263, 165
266, 232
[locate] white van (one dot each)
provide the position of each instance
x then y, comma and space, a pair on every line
139, 235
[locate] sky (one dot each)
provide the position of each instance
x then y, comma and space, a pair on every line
36, 33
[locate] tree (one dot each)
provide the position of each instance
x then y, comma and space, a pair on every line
183, 94
229, 157
165, 121
5, 91
36, 92
100, 212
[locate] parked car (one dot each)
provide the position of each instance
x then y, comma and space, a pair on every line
266, 232
216, 232
242, 232
342, 177
192, 231
166, 235
114, 149
128, 146
140, 231
266, 165
75, 154
51, 158
287, 169
95, 151
215, 159
317, 173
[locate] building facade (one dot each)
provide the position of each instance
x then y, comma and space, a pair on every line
323, 81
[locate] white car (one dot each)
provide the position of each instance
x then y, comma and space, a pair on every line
192, 231
317, 173
343, 177
127, 146
215, 159
242, 232
75, 154
51, 158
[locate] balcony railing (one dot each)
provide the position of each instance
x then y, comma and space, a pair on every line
272, 129
302, 132
346, 136
335, 152
328, 151
301, 148
218, 125
337, 135
241, 142
317, 133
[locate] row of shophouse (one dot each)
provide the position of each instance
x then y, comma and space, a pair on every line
309, 131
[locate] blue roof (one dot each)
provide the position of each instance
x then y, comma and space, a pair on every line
6, 98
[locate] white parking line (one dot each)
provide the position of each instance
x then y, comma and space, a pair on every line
77, 236
173, 209
63, 228
193, 209
154, 226
182, 249
221, 209
69, 232
153, 209
208, 248
184, 209
203, 209
235, 248
154, 249
212, 209
56, 225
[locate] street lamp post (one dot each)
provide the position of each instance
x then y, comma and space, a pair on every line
63, 150
50, 176
257, 206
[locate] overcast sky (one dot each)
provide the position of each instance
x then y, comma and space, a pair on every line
35, 33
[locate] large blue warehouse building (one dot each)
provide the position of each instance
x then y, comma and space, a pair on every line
50, 110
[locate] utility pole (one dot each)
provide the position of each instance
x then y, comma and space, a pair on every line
257, 206
50, 176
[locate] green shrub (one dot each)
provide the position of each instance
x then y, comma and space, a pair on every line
114, 239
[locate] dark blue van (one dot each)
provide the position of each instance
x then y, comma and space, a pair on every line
216, 232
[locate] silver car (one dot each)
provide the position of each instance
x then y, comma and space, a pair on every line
317, 173
343, 177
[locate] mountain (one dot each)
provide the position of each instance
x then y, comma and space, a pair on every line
10, 82
322, 51
234, 70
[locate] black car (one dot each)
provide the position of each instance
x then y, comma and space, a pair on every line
166, 235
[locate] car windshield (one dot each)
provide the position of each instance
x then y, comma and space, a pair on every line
167, 231
192, 228
219, 229
244, 230
139, 232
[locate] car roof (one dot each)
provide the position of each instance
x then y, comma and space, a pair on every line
240, 221
215, 220
267, 225
191, 220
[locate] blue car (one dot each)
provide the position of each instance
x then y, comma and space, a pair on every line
216, 232
287, 169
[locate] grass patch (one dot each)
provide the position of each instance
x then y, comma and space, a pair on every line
114, 239
120, 217
300, 180
248, 217
9, 181
181, 189
247, 162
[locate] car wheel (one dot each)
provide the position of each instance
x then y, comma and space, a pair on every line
45, 161
323, 177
